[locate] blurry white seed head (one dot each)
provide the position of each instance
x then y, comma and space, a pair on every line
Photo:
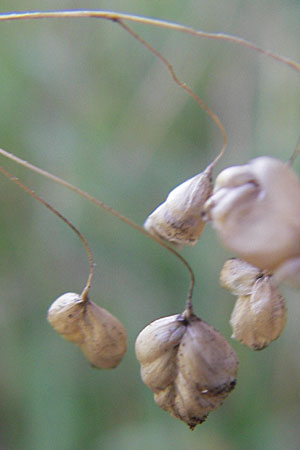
255, 209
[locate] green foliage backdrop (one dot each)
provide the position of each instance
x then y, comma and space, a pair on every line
85, 101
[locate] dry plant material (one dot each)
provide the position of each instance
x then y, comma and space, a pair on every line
255, 209
99, 334
238, 276
259, 318
187, 364
259, 315
178, 219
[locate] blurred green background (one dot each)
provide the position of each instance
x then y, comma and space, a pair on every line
85, 101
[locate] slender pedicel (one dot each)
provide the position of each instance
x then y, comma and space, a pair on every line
108, 209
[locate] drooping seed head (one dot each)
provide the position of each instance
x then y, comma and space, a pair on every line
99, 334
259, 318
178, 220
188, 365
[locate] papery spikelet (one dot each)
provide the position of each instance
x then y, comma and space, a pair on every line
178, 220
188, 365
65, 316
99, 334
259, 318
238, 276
156, 349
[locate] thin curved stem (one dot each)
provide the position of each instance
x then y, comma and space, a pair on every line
108, 209
119, 17
116, 16
291, 160
182, 85
84, 294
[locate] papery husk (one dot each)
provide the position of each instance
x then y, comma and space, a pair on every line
101, 336
188, 365
65, 316
178, 220
259, 318
238, 276
156, 348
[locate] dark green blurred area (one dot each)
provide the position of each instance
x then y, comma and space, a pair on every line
85, 101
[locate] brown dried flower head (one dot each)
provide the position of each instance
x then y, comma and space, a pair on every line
178, 220
255, 208
187, 364
99, 334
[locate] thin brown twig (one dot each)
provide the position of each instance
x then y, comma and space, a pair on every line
119, 17
182, 85
84, 294
108, 209
115, 16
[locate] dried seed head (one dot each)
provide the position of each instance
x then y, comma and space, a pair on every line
65, 314
259, 314
255, 209
259, 318
156, 349
238, 276
188, 365
99, 334
178, 220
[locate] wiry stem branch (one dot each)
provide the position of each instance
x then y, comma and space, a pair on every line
119, 17
182, 85
110, 210
84, 294
116, 16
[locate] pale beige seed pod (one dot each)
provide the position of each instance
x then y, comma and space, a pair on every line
238, 276
259, 318
100, 335
255, 209
156, 349
178, 220
188, 365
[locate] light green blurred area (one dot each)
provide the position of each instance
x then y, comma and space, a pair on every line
85, 101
